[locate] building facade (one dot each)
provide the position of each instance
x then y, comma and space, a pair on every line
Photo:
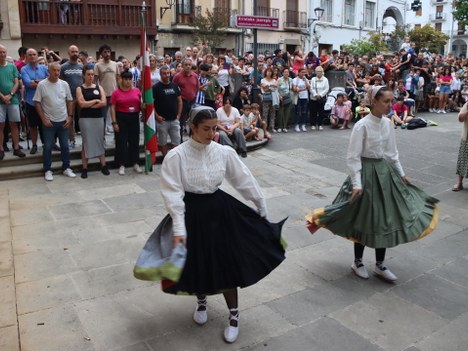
439, 14
345, 20
176, 30
56, 24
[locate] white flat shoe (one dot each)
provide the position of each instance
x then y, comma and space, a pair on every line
385, 273
231, 333
201, 317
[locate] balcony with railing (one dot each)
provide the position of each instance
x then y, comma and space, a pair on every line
85, 17
268, 12
438, 16
294, 20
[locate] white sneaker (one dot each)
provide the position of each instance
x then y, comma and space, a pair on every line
312, 128
285, 130
279, 130
360, 270
231, 333
296, 128
439, 111
137, 168
69, 173
201, 317
48, 176
320, 128
385, 273
432, 110
122, 170
443, 111
304, 128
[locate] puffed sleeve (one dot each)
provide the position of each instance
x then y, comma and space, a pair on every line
240, 177
353, 158
172, 191
391, 152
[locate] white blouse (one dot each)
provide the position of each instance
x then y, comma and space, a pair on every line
372, 137
200, 169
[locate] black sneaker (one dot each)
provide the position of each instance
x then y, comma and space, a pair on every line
2, 155
243, 154
84, 173
56, 147
6, 148
105, 170
19, 153
33, 150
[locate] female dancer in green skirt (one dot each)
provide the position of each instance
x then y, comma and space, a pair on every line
377, 206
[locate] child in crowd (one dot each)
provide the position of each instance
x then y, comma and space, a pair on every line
362, 110
258, 122
247, 126
400, 113
340, 113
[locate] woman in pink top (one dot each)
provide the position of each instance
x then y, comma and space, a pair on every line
445, 81
125, 111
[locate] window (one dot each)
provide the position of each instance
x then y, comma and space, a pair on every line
328, 13
438, 27
349, 13
370, 14
184, 7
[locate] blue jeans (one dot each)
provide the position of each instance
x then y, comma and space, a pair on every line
300, 113
57, 130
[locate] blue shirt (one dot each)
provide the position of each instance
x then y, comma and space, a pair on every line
29, 74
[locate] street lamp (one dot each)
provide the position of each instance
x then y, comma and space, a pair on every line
318, 11
163, 10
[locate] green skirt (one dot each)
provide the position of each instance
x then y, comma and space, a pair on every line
388, 212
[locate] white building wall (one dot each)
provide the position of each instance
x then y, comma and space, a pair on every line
429, 15
340, 28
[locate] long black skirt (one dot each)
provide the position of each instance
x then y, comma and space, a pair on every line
228, 246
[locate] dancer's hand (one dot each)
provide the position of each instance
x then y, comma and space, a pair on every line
178, 239
355, 194
405, 180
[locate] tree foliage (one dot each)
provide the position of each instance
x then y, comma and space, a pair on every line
209, 29
398, 36
366, 46
461, 11
429, 38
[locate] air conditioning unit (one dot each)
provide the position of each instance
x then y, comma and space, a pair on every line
248, 32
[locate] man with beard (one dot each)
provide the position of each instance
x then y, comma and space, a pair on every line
167, 110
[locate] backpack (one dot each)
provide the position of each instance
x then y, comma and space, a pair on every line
416, 122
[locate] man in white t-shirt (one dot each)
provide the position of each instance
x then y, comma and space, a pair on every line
54, 104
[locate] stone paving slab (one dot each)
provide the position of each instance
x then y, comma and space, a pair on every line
9, 338
316, 336
389, 321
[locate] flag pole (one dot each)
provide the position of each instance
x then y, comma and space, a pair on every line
142, 75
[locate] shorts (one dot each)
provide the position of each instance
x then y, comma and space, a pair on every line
12, 111
445, 89
168, 128
247, 130
34, 120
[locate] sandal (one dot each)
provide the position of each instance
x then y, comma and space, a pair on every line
457, 187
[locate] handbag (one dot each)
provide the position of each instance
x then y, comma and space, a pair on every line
267, 97
286, 100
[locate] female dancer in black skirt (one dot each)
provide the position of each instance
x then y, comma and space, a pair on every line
377, 206
229, 245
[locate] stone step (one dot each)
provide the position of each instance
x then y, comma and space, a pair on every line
12, 167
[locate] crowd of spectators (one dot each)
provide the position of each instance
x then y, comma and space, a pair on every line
290, 91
